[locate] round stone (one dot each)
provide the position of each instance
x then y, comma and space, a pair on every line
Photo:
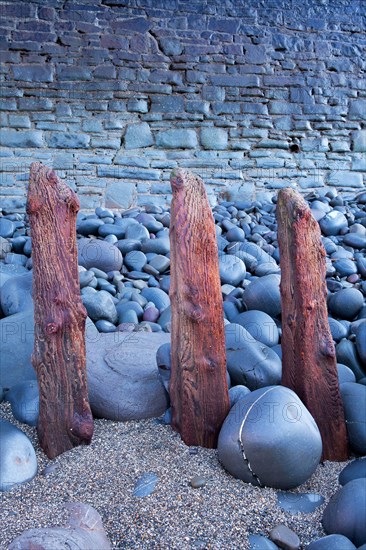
345, 267
16, 294
105, 326
137, 232
89, 227
198, 481
111, 229
160, 263
7, 228
148, 220
361, 341
346, 303
85, 278
250, 363
333, 223
332, 542
99, 305
263, 294
127, 245
232, 269
100, 254
18, 462
236, 393
346, 512
159, 246
269, 438
337, 329
157, 296
24, 400
347, 355
354, 404
345, 374
354, 470
151, 314
135, 260
260, 325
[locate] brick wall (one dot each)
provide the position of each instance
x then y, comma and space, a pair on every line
253, 95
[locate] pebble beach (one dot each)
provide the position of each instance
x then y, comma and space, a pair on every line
218, 515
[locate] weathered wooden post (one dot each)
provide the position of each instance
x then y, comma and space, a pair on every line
308, 353
65, 419
198, 387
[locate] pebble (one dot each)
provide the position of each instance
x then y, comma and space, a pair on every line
232, 269
332, 542
295, 503
18, 462
198, 481
145, 485
7, 228
24, 400
285, 538
354, 470
99, 254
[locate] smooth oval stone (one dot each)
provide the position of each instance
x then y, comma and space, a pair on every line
346, 512
128, 316
17, 259
269, 438
24, 400
198, 481
264, 294
18, 462
235, 234
160, 245
157, 296
160, 263
151, 224
355, 240
347, 355
85, 278
145, 485
7, 228
104, 212
89, 227
304, 503
165, 283
361, 341
121, 307
346, 303
230, 310
332, 542
165, 319
151, 314
260, 325
236, 393
250, 363
100, 254
232, 270
135, 260
111, 229
16, 294
345, 374
258, 542
337, 330
137, 231
345, 267
16, 245
354, 404
127, 245
285, 537
105, 326
354, 470
100, 305
163, 360
333, 223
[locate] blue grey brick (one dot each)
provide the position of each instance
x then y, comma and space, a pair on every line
229, 26
137, 106
344, 178
284, 108
31, 104
242, 81
105, 71
167, 104
255, 53
94, 159
200, 107
170, 46
136, 24
177, 139
8, 105
226, 108
359, 141
359, 165
24, 138
301, 95
138, 135
33, 73
315, 144
73, 72
139, 162
19, 121
117, 172
213, 93
120, 194
92, 125
117, 105
68, 141
106, 142
214, 138
311, 181
255, 108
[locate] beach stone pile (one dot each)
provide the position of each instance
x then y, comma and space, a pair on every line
124, 271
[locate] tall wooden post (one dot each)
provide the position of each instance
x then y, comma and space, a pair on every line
198, 387
59, 359
308, 353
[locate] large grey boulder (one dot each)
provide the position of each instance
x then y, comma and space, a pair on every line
18, 462
100, 254
269, 438
123, 378
354, 403
16, 294
83, 531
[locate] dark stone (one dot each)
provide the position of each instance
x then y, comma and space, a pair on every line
337, 330
354, 404
347, 355
332, 542
89, 227
236, 393
18, 462
16, 294
258, 542
135, 260
128, 245
346, 303
99, 305
264, 294
124, 385
285, 538
333, 223
157, 296
249, 362
361, 341
345, 267
260, 325
24, 400
354, 470
345, 374
100, 254
346, 511
145, 485
232, 270
111, 229
305, 503
7, 228
269, 438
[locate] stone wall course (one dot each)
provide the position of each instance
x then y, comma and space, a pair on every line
115, 93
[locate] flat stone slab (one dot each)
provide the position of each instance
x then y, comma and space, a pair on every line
123, 378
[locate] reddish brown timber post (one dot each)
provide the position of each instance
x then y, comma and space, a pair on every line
308, 353
59, 359
198, 388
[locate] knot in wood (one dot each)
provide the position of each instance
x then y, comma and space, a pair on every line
177, 182
51, 328
196, 313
